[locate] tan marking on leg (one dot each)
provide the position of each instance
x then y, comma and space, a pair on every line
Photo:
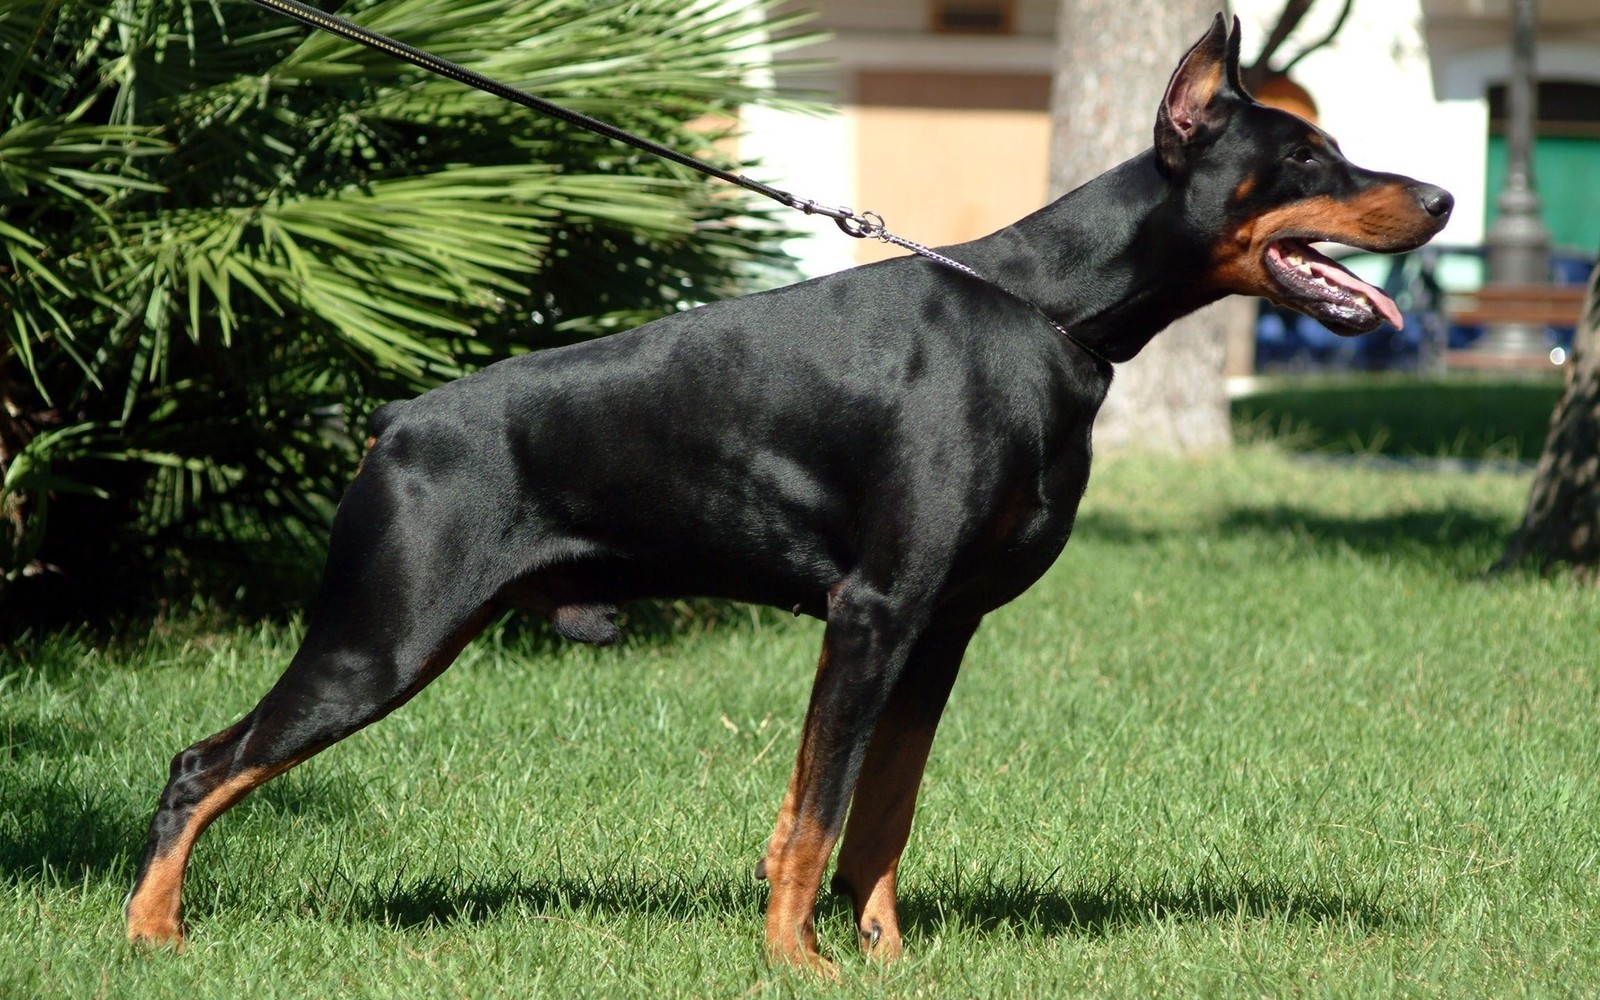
783, 824
795, 871
791, 796
154, 909
880, 825
885, 795
796, 858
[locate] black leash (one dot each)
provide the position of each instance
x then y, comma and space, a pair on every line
861, 225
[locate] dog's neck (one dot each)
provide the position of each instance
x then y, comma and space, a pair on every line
1107, 261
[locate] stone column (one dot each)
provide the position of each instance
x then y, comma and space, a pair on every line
1518, 242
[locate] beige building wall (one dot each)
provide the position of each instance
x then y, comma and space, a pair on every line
944, 134
1376, 88
949, 157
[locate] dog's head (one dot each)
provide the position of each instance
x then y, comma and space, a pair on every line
1279, 184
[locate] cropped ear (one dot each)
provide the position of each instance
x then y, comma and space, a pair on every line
1201, 94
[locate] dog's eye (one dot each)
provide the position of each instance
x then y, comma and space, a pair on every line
1304, 155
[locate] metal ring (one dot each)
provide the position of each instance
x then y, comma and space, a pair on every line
863, 224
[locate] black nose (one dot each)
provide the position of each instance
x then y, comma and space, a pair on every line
1436, 200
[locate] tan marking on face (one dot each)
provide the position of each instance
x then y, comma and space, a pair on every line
1242, 192
1384, 218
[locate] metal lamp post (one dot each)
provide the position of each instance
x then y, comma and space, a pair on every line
1518, 242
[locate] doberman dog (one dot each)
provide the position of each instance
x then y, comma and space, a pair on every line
897, 449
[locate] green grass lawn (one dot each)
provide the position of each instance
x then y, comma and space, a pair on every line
1266, 729
1404, 416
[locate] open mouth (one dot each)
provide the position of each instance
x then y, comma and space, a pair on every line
1316, 285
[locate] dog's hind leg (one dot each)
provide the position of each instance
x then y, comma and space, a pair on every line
886, 792
380, 631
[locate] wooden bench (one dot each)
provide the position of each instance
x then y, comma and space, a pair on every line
1535, 305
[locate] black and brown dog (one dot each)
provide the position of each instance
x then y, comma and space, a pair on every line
898, 449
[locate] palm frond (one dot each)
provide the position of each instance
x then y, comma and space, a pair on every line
226, 239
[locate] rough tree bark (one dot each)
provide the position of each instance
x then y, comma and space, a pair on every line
1113, 59
1562, 522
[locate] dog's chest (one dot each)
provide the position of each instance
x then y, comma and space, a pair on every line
1025, 528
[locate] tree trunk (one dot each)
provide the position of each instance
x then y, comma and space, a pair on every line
1562, 523
1113, 59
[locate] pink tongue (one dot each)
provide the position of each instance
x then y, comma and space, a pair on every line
1339, 276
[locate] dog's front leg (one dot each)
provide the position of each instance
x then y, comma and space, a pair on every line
886, 792
864, 651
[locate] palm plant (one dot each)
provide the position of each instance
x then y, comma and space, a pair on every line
223, 241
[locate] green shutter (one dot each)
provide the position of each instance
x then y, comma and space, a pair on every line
1566, 173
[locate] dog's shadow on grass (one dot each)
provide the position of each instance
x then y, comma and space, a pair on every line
1423, 534
57, 827
59, 824
1447, 534
1101, 910
990, 908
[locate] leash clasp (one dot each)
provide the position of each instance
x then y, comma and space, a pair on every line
862, 225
